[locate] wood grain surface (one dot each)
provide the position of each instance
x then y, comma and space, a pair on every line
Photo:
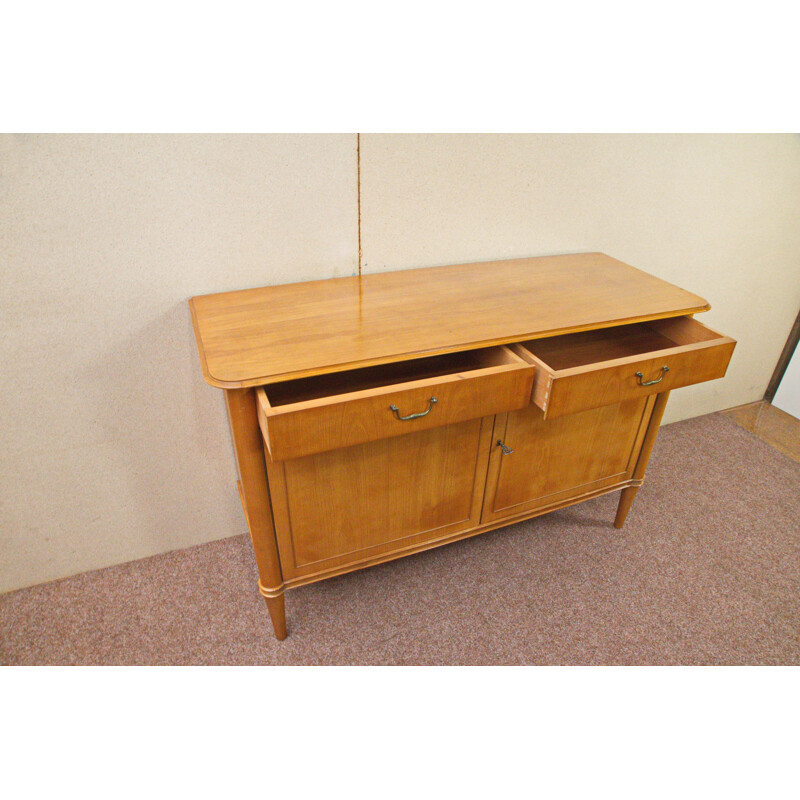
260, 336
339, 420
556, 459
345, 505
597, 368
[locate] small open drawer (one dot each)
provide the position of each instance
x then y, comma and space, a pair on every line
326, 412
585, 370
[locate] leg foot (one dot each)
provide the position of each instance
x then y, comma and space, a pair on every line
625, 503
277, 612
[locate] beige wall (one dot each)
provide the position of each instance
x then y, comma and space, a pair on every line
112, 446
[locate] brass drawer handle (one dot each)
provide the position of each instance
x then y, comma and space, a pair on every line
427, 411
664, 371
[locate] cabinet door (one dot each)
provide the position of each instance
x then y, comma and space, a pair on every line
350, 505
558, 459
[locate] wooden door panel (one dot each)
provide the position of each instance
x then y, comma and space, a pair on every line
343, 506
554, 459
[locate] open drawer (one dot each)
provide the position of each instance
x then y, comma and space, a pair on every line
591, 369
326, 412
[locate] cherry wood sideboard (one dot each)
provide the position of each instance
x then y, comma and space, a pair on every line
377, 416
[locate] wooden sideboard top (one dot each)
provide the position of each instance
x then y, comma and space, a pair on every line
259, 336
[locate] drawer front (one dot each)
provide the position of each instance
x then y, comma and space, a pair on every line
593, 385
603, 386
300, 429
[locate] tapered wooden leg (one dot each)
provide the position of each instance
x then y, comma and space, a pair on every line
277, 611
625, 503
626, 500
249, 449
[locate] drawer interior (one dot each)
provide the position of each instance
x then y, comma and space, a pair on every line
355, 380
624, 341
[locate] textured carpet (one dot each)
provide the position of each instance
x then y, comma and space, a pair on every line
706, 571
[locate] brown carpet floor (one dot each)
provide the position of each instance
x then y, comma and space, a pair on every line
706, 571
